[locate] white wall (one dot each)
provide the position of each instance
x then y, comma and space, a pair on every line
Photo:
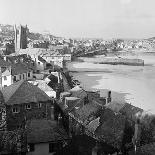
41, 149
39, 76
40, 66
56, 60
7, 82
51, 93
31, 75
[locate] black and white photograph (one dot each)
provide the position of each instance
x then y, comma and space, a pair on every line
77, 77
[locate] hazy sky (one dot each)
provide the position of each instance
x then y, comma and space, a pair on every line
83, 18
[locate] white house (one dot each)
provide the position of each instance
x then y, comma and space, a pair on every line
11, 73
67, 57
40, 64
54, 59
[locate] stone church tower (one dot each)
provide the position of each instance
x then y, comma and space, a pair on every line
20, 37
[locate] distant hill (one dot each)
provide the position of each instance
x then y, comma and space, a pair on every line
153, 38
7, 31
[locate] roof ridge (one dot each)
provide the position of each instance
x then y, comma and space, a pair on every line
18, 86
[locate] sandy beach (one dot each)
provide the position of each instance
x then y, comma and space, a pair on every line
132, 84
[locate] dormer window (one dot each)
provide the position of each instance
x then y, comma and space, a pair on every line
28, 106
39, 105
5, 78
28, 74
15, 110
14, 78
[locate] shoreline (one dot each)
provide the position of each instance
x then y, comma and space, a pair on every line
125, 82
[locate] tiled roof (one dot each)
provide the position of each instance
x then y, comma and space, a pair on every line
87, 111
40, 131
130, 111
111, 129
23, 92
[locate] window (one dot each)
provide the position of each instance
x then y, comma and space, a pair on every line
5, 78
23, 76
39, 105
28, 106
30, 147
14, 78
15, 110
20, 77
28, 74
53, 147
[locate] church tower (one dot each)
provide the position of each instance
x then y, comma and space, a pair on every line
20, 37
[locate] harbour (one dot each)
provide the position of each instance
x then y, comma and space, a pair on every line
132, 84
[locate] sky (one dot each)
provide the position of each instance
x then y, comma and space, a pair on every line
83, 18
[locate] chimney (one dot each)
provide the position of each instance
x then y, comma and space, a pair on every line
60, 120
4, 58
137, 134
109, 97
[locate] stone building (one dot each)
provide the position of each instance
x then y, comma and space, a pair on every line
20, 37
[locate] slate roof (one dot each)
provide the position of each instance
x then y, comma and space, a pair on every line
19, 68
116, 107
42, 131
32, 51
111, 128
78, 92
23, 92
77, 102
130, 111
85, 112
41, 59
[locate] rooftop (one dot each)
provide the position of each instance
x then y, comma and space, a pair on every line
42, 131
23, 92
